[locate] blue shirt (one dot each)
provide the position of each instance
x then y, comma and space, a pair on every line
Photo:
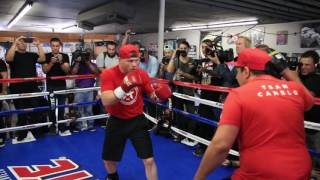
151, 66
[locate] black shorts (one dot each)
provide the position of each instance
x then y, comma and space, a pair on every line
119, 130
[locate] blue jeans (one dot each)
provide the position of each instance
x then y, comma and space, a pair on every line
84, 111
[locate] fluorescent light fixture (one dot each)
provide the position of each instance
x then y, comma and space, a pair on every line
241, 22
22, 11
233, 24
189, 28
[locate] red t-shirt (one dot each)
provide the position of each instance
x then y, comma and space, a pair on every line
269, 114
131, 104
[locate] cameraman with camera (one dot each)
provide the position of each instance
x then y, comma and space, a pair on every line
184, 69
82, 65
57, 64
163, 73
213, 71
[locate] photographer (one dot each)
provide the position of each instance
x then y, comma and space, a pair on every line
184, 70
163, 73
22, 64
213, 71
82, 65
57, 64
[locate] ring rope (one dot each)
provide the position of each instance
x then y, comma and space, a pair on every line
30, 126
24, 111
68, 91
307, 124
189, 135
202, 101
23, 95
100, 116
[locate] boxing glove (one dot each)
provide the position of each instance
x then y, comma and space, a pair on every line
162, 91
131, 80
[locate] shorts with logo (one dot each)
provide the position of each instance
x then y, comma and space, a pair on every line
119, 130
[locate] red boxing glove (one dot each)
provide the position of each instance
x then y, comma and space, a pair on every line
162, 91
131, 80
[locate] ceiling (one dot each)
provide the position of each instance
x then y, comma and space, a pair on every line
54, 15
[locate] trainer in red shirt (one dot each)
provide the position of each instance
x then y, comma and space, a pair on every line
265, 115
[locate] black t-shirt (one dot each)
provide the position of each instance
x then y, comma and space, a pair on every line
3, 68
23, 66
311, 82
56, 70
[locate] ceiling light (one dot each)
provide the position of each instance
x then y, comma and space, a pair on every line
22, 11
241, 22
233, 24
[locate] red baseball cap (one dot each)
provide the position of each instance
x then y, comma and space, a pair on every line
128, 51
253, 58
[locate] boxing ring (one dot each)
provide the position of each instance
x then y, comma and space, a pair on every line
79, 156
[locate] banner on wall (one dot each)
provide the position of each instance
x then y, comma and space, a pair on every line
310, 35
282, 37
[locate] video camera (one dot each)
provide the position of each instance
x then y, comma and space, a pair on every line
142, 51
83, 54
165, 60
216, 49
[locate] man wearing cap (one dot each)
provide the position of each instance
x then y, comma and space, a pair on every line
265, 115
122, 89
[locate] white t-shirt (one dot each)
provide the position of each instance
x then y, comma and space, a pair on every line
107, 62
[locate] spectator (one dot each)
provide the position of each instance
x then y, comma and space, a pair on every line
108, 59
57, 64
310, 79
163, 73
82, 65
184, 70
147, 62
242, 43
23, 65
3, 91
212, 72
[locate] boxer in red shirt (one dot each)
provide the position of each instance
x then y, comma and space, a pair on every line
265, 115
122, 89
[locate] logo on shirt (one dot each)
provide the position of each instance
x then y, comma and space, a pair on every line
276, 90
130, 97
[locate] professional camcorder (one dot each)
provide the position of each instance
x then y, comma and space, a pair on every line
83, 54
280, 62
165, 60
216, 49
142, 51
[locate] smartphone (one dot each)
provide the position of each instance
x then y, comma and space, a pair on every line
28, 40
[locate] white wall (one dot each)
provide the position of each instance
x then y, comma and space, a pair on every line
151, 39
193, 36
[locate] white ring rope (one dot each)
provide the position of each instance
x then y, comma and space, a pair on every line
30, 126
23, 95
68, 91
100, 116
307, 124
189, 135
202, 101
